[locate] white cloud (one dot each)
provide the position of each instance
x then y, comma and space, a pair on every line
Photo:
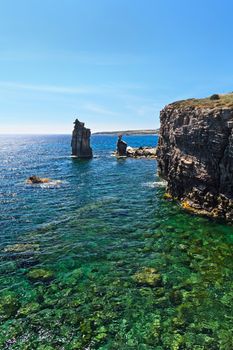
96, 109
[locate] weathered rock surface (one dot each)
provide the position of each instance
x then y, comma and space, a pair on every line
138, 152
37, 180
43, 181
141, 152
81, 141
121, 147
195, 154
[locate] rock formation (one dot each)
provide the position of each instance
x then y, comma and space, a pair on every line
141, 152
121, 147
138, 152
37, 180
81, 141
195, 154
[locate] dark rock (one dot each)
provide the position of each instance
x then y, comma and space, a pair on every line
81, 141
215, 97
195, 155
176, 297
121, 147
37, 180
141, 152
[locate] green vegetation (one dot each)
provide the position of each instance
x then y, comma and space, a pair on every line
214, 101
130, 132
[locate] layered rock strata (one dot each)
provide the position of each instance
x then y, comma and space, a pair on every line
195, 154
81, 141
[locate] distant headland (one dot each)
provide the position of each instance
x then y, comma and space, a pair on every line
129, 132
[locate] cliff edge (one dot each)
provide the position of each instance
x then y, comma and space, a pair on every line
195, 154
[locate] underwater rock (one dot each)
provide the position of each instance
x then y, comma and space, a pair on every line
40, 275
28, 309
176, 297
80, 142
37, 180
121, 147
148, 276
9, 305
21, 247
195, 154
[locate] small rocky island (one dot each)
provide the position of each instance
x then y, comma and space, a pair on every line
81, 141
195, 154
124, 151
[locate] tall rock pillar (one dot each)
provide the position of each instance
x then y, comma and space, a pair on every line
81, 141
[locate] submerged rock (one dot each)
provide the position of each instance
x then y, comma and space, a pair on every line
148, 276
195, 154
40, 275
28, 309
80, 142
21, 247
9, 305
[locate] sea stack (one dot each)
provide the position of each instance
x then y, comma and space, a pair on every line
195, 154
121, 147
81, 141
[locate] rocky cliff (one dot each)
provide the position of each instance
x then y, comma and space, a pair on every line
195, 154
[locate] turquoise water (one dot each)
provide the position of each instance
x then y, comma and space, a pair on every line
101, 260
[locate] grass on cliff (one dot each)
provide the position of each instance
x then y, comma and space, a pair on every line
214, 101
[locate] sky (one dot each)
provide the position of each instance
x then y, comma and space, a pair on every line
114, 64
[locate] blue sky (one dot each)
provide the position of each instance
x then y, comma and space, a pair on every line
112, 63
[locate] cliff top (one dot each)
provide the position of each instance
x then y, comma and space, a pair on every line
214, 101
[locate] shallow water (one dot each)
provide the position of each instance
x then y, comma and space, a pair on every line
101, 260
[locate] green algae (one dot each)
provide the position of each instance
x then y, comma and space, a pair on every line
163, 285
40, 275
148, 276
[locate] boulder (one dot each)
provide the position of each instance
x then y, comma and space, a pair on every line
37, 180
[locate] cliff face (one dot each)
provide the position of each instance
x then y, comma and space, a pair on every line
195, 154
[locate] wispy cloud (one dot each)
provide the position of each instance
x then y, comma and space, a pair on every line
82, 57
70, 90
47, 88
97, 109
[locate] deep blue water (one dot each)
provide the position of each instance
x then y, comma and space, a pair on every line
102, 260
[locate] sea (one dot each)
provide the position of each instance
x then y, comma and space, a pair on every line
97, 258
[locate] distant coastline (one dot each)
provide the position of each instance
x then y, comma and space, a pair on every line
129, 132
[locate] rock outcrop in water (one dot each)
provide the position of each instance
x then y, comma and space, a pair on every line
141, 152
195, 154
81, 141
37, 180
121, 147
133, 152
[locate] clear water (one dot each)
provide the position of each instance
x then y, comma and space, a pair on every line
101, 260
